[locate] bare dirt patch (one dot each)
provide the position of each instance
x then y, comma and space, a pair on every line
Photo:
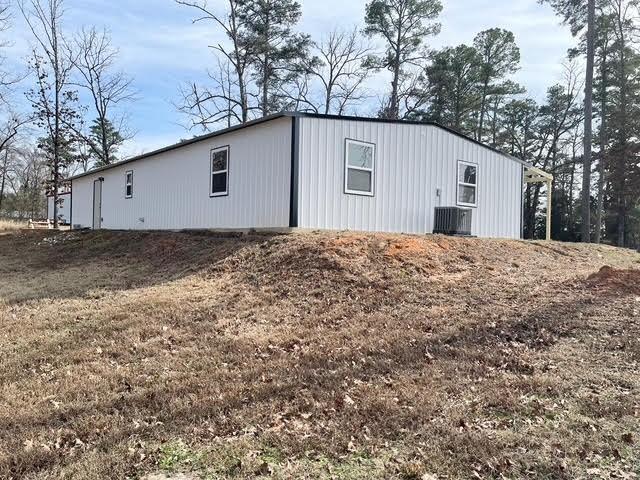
316, 356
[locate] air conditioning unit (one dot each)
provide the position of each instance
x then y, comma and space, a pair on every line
453, 221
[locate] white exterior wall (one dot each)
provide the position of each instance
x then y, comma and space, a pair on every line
64, 208
171, 189
412, 162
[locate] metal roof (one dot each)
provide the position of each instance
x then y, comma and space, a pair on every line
292, 115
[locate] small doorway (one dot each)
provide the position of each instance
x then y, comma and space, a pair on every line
97, 204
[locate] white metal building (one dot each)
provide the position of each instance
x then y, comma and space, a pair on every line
64, 207
297, 170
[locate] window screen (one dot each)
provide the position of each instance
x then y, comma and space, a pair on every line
128, 184
467, 184
359, 168
219, 172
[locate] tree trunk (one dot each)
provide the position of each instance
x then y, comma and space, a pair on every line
4, 177
243, 97
603, 145
494, 123
56, 131
238, 62
106, 160
56, 162
265, 71
622, 227
599, 213
623, 138
534, 211
572, 181
265, 89
588, 126
483, 108
394, 110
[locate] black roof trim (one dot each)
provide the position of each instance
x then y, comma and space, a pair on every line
276, 116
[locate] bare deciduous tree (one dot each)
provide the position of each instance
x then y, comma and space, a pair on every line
333, 80
94, 57
51, 97
341, 73
8, 133
7, 79
209, 105
27, 174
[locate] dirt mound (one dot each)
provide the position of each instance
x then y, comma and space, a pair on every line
609, 278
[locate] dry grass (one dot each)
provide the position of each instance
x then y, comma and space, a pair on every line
11, 225
316, 356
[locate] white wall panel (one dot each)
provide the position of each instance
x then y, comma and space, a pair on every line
171, 189
412, 162
64, 207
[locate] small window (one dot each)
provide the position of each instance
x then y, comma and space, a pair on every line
128, 184
219, 172
467, 184
359, 168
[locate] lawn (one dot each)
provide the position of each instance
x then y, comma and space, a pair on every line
316, 355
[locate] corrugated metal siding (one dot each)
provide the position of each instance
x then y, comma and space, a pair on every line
171, 189
64, 209
412, 162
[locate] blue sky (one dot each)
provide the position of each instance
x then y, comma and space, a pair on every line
161, 48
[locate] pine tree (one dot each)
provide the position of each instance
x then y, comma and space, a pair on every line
453, 82
500, 56
402, 25
278, 54
588, 124
603, 44
102, 134
519, 121
580, 15
623, 122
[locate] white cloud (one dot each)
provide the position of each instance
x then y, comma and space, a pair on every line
161, 47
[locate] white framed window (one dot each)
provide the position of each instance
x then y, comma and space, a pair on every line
128, 184
359, 168
219, 174
467, 184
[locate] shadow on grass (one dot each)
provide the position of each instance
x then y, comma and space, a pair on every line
227, 386
38, 265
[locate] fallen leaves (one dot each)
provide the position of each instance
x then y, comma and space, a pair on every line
432, 357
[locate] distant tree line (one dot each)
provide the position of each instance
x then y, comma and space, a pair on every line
585, 130
267, 66
62, 68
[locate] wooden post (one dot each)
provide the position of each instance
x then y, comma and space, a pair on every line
535, 175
